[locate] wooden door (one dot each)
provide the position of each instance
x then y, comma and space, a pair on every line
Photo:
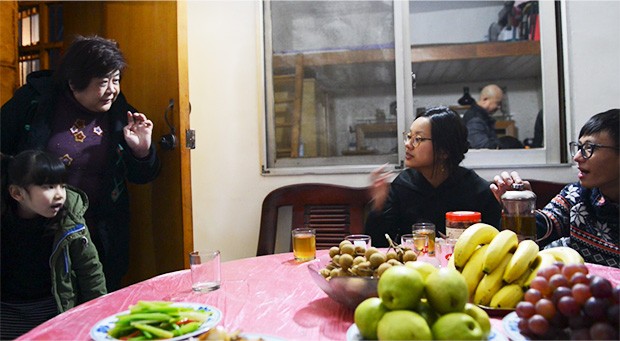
8, 50
153, 38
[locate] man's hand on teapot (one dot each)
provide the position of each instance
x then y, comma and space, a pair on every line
503, 182
138, 133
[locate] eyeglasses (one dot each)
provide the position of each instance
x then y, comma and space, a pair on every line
415, 140
586, 149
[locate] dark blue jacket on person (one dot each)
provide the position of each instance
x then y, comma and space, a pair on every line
26, 124
481, 128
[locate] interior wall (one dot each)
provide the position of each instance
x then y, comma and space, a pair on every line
225, 65
426, 17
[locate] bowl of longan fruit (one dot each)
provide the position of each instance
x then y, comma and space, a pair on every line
349, 274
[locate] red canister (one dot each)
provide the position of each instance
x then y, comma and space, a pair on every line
458, 221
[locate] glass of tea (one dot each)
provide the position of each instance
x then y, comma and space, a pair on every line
304, 244
420, 244
428, 230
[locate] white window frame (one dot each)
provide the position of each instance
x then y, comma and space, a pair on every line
553, 154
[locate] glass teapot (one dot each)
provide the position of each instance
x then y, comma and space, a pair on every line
518, 212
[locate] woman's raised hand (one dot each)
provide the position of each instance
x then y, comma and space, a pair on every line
380, 187
503, 182
138, 133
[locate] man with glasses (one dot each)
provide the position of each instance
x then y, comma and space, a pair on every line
584, 215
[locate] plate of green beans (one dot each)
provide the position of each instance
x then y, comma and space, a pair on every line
157, 320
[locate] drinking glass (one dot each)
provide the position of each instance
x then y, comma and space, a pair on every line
420, 244
445, 249
304, 244
406, 240
359, 240
427, 229
205, 270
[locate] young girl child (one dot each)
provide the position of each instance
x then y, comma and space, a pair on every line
49, 263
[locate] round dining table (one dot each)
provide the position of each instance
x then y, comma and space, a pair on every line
271, 295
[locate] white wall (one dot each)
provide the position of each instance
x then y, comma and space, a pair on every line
225, 93
444, 22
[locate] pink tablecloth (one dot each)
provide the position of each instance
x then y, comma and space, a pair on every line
271, 295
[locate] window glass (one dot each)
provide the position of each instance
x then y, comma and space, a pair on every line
337, 74
331, 89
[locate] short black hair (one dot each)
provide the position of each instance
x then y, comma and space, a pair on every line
449, 136
31, 167
606, 121
36, 167
88, 58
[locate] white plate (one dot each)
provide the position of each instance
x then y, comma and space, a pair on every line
99, 332
353, 334
253, 336
510, 323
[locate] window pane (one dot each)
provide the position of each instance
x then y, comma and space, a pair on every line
498, 44
331, 87
27, 64
56, 27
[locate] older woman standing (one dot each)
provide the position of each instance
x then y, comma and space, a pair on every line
433, 182
584, 215
79, 114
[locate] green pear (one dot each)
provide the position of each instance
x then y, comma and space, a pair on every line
403, 325
425, 310
423, 268
367, 315
446, 291
480, 316
400, 287
457, 326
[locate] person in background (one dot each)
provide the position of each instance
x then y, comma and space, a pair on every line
49, 263
584, 215
538, 130
478, 120
432, 184
79, 114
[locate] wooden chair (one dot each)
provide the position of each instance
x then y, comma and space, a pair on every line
545, 191
334, 211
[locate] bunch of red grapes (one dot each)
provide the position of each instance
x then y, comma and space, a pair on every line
564, 301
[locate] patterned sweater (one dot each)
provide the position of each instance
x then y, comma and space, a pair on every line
585, 220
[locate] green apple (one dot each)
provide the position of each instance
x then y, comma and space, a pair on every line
423, 268
446, 291
480, 316
400, 287
457, 326
403, 325
367, 315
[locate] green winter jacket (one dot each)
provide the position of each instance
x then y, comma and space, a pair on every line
77, 274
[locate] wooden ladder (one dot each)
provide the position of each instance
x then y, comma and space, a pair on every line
288, 91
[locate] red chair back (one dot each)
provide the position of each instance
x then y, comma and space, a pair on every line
334, 211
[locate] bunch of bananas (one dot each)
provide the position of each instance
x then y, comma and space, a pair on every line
498, 268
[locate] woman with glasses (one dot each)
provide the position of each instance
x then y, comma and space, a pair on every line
432, 184
584, 215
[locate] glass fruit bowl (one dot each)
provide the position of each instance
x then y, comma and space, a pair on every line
348, 291
496, 312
